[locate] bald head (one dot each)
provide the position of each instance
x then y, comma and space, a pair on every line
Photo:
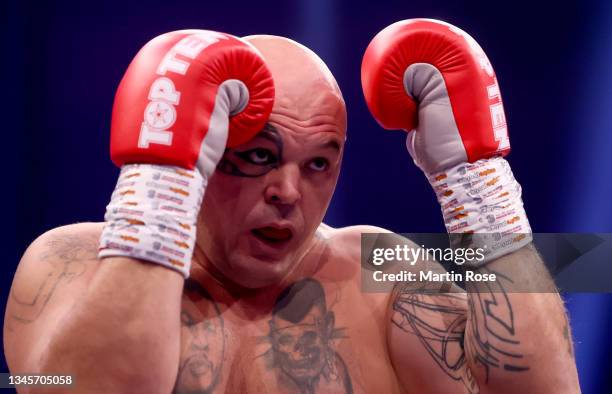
286, 174
302, 80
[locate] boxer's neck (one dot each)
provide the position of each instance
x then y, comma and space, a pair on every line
247, 301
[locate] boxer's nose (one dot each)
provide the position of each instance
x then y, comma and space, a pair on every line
283, 186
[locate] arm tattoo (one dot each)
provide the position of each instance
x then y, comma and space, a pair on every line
491, 341
202, 343
64, 259
302, 355
440, 322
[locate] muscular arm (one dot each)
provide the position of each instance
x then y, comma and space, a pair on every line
517, 339
114, 325
492, 339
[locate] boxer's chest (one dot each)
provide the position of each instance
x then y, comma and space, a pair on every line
314, 340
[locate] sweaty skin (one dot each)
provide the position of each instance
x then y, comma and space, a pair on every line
274, 302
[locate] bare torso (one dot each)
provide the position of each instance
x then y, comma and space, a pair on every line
318, 334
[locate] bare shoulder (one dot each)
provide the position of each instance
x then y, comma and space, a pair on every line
65, 245
51, 273
350, 231
350, 241
59, 256
58, 238
353, 233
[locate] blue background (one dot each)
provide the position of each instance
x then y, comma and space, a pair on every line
62, 61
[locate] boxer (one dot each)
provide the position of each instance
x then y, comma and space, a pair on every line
264, 297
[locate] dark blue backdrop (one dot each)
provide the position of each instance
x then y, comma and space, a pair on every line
61, 62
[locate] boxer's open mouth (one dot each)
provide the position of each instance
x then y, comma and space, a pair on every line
273, 235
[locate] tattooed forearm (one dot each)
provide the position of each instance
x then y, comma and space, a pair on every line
491, 340
438, 321
458, 334
64, 259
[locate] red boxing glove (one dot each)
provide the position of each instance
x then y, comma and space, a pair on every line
429, 76
185, 96
434, 81
174, 101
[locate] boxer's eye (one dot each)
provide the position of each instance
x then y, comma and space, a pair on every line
258, 156
319, 164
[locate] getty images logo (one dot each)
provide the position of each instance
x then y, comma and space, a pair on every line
160, 113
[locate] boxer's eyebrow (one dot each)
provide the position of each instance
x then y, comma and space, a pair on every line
270, 132
331, 144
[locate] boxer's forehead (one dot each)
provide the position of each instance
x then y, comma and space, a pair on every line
306, 91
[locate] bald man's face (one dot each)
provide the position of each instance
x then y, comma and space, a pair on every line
263, 204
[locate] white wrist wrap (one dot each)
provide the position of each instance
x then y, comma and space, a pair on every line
152, 215
483, 199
